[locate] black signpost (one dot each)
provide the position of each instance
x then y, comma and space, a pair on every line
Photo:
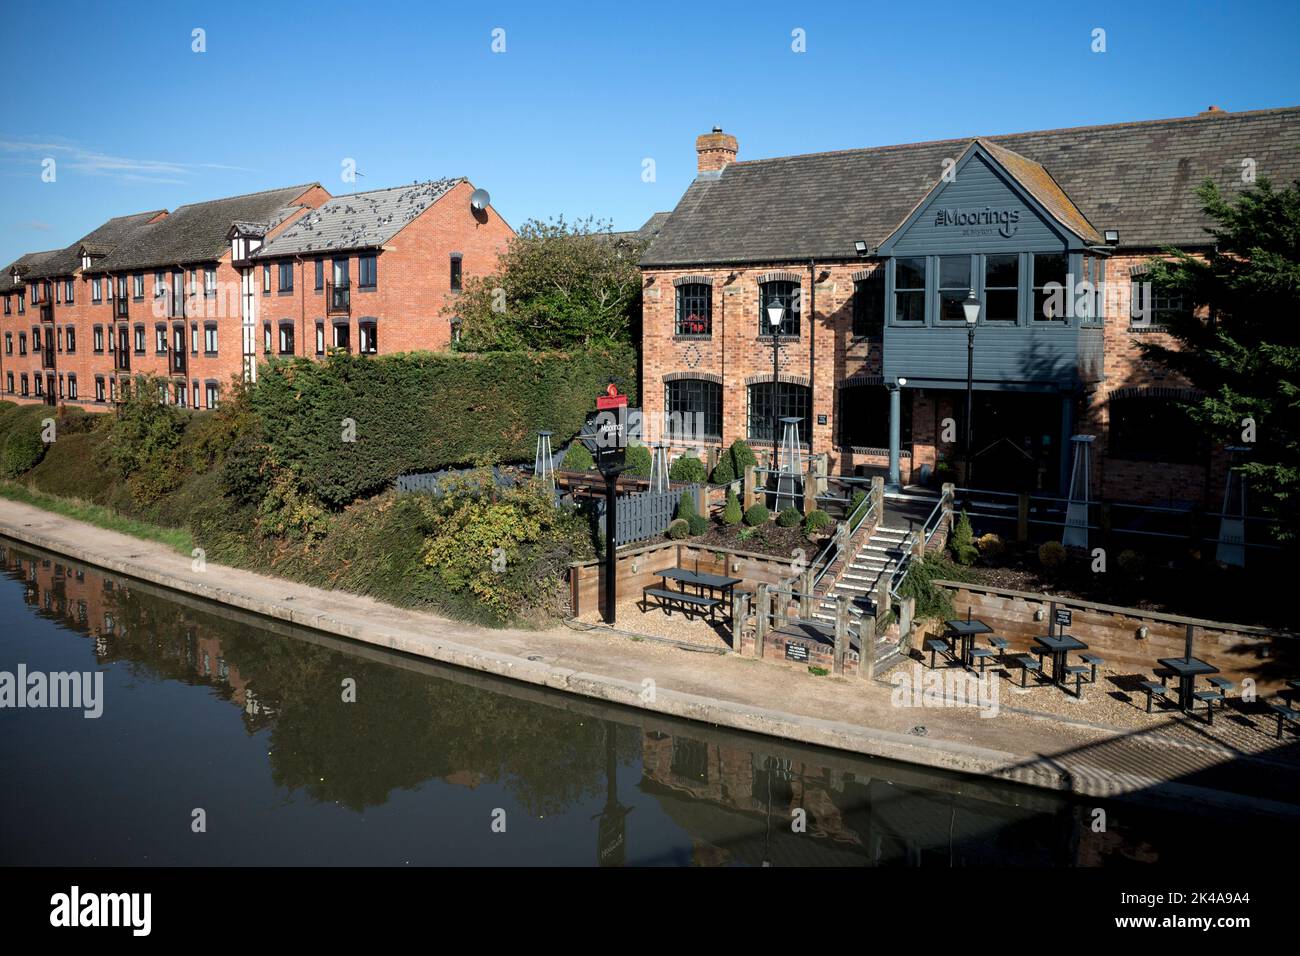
605, 436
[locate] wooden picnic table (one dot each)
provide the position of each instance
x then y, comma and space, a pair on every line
1186, 668
713, 583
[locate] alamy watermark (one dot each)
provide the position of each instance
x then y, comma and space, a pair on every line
63, 689
947, 688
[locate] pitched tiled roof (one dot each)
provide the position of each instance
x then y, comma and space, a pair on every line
1138, 178
197, 232
101, 241
357, 221
29, 262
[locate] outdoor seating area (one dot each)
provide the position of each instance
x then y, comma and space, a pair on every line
1062, 661
708, 593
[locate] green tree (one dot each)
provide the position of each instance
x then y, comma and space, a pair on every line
732, 514
558, 285
1238, 341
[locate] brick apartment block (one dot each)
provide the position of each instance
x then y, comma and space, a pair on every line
206, 292
872, 253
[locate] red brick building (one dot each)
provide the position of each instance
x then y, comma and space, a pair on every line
208, 291
870, 255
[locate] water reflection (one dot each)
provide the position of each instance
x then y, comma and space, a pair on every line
593, 785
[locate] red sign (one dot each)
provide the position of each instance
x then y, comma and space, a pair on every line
611, 399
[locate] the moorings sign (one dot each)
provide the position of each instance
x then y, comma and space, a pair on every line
607, 431
1006, 221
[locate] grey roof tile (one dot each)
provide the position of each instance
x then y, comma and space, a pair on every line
1138, 178
197, 233
357, 221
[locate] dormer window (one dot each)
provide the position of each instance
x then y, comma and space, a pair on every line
85, 261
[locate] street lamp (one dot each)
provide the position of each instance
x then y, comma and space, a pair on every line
972, 309
775, 313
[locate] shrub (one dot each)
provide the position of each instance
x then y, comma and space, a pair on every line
723, 472
858, 500
756, 516
1051, 555
1132, 563
577, 458
689, 469
698, 524
731, 514
788, 518
742, 457
678, 529
638, 461
456, 409
685, 506
991, 545
963, 541
23, 450
816, 520
932, 601
144, 442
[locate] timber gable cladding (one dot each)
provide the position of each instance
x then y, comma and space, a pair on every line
1020, 209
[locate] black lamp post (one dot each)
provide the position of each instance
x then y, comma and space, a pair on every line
972, 309
775, 313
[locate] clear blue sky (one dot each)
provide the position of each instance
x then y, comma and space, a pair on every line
562, 121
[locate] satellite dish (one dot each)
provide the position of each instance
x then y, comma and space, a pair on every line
479, 199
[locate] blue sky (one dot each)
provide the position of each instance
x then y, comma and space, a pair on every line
561, 122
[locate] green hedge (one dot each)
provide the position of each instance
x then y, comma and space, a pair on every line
422, 411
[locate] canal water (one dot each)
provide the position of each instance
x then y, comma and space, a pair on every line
225, 739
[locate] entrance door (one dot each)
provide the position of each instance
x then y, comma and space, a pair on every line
1016, 442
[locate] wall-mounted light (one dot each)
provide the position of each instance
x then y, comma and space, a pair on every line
1142, 633
1111, 236
861, 248
1038, 614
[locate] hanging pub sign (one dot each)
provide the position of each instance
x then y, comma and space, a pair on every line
607, 431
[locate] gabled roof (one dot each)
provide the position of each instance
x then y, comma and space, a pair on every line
357, 221
1034, 182
1138, 178
26, 263
198, 232
100, 242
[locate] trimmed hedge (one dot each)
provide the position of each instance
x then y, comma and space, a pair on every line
421, 411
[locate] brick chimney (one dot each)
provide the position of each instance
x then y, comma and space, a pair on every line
1213, 111
716, 151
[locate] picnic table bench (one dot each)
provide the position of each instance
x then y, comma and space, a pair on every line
688, 602
1285, 714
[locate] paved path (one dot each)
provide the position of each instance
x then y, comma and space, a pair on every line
730, 691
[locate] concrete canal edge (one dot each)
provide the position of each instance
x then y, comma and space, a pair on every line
254, 594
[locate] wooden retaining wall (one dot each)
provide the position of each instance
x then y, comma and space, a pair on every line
1239, 651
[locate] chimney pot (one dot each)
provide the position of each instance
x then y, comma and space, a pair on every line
715, 151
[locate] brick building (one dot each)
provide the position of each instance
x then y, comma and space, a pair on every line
871, 255
204, 293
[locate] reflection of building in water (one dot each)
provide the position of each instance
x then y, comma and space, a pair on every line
93, 604
738, 807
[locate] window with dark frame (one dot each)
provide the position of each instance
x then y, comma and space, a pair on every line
1159, 307
320, 274
266, 278
694, 309
266, 337
72, 386
954, 286
791, 402
693, 409
1002, 287
98, 338
139, 340
367, 338
869, 306
863, 417
286, 338
1154, 428
320, 338
210, 338
99, 388
367, 271
137, 286
210, 394
456, 276
160, 339
909, 290
70, 339
1050, 289
785, 294
342, 338
286, 277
